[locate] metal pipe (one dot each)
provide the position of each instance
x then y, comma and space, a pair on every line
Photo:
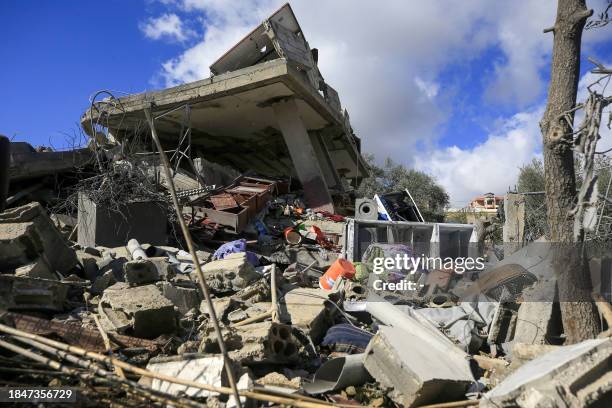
194, 256
136, 250
107, 375
289, 399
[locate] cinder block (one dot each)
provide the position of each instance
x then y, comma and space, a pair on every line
265, 342
184, 298
140, 272
230, 274
149, 313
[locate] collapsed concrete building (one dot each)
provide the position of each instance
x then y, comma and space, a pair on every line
266, 108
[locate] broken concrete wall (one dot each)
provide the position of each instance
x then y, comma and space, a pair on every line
27, 163
27, 234
140, 310
99, 225
416, 371
514, 225
571, 376
30, 294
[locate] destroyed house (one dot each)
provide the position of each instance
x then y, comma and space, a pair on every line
265, 109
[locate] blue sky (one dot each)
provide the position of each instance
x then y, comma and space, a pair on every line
58, 53
442, 86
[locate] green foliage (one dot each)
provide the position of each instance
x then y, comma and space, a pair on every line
531, 177
427, 193
459, 217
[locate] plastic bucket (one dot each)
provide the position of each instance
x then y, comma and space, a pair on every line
340, 268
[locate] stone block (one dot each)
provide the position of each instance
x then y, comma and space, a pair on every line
99, 225
184, 295
570, 376
27, 233
417, 368
139, 272
150, 313
230, 274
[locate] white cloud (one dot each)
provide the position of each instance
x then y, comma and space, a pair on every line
226, 23
526, 49
167, 26
429, 89
380, 57
491, 166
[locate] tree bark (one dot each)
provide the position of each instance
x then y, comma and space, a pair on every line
578, 314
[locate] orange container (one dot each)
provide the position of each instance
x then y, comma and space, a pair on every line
340, 268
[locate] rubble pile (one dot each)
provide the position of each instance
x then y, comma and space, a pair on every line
272, 294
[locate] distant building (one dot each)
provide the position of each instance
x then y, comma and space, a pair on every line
484, 206
487, 203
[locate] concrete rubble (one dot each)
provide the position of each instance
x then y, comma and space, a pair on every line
265, 166
230, 274
141, 310
27, 234
571, 376
420, 377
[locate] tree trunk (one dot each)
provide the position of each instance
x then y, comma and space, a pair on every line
578, 314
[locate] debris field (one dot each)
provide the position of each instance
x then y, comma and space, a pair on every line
207, 248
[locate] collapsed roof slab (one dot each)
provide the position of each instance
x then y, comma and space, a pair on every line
234, 122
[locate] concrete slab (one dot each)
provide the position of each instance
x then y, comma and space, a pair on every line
416, 367
27, 163
570, 376
140, 272
27, 233
98, 225
150, 314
